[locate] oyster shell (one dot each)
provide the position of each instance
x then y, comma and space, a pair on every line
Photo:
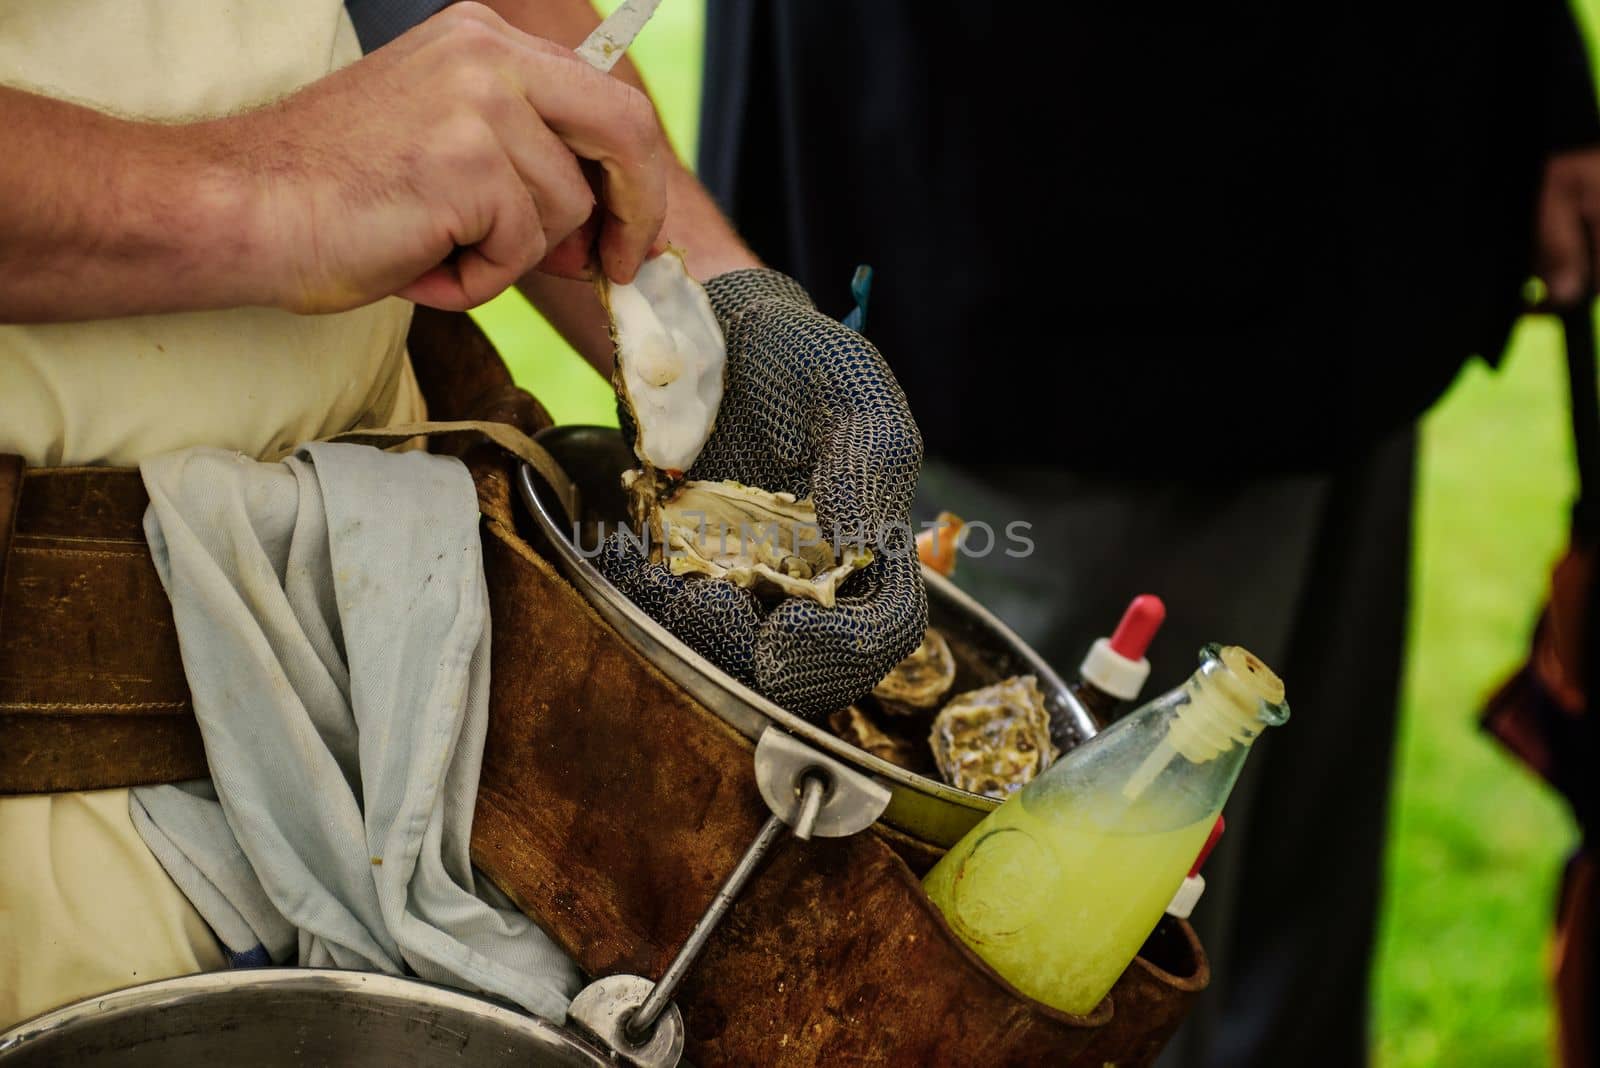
856, 727
670, 361
993, 741
768, 542
919, 681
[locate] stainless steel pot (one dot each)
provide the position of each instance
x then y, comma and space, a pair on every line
595, 457
264, 1018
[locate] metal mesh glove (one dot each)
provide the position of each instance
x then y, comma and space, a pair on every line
810, 408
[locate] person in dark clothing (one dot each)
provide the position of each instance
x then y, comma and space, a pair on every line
1173, 286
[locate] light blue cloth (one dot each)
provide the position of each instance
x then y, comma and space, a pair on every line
333, 618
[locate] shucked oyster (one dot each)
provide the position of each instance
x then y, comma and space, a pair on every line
671, 359
768, 542
921, 679
993, 741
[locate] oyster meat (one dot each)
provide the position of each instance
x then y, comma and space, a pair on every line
670, 362
918, 682
767, 542
993, 741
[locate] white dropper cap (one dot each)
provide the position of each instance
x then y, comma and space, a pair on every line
1188, 895
1117, 664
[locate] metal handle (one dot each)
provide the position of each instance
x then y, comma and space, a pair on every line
644, 1020
811, 794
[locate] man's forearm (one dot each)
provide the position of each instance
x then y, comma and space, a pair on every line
103, 217
694, 224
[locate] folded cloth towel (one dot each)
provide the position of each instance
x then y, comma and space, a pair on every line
333, 618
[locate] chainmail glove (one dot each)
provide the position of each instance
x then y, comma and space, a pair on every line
809, 408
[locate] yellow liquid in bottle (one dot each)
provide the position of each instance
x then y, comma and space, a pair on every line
1060, 900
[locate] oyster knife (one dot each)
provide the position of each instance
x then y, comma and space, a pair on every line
603, 47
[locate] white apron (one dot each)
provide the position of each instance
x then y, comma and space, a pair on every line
84, 907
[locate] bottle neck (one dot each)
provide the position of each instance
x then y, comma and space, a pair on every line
1228, 702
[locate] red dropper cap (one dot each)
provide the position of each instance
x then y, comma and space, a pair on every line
1138, 627
1211, 841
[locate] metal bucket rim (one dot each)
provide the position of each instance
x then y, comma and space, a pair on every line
169, 993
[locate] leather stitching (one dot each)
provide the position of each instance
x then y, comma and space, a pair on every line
100, 706
104, 554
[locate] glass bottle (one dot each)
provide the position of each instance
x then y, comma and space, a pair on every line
1059, 887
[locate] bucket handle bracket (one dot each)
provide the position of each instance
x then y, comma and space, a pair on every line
811, 794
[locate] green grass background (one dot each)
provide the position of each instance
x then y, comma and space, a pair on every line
1476, 844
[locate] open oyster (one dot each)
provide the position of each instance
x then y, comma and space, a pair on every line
856, 727
669, 375
671, 361
993, 741
920, 680
768, 542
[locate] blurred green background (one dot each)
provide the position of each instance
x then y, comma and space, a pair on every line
1476, 844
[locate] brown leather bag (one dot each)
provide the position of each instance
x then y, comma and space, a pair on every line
611, 804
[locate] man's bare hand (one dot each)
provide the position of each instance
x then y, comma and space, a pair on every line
444, 167
1569, 225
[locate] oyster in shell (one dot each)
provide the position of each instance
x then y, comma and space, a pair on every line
918, 682
993, 741
669, 375
767, 542
671, 360
856, 727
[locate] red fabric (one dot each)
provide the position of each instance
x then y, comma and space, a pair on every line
1574, 963
1543, 716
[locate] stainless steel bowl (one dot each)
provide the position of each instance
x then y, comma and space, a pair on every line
595, 458
265, 1018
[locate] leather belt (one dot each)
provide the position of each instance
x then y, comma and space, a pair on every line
92, 689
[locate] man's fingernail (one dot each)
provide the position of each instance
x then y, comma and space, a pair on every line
622, 272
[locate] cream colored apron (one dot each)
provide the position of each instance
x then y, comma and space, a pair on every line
84, 907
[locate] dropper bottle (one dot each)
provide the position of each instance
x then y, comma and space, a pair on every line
1059, 887
1115, 668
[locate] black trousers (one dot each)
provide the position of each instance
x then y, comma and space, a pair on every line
1310, 573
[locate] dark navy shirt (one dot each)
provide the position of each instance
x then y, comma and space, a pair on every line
1152, 235
380, 21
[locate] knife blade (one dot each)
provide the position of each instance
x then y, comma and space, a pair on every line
603, 47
